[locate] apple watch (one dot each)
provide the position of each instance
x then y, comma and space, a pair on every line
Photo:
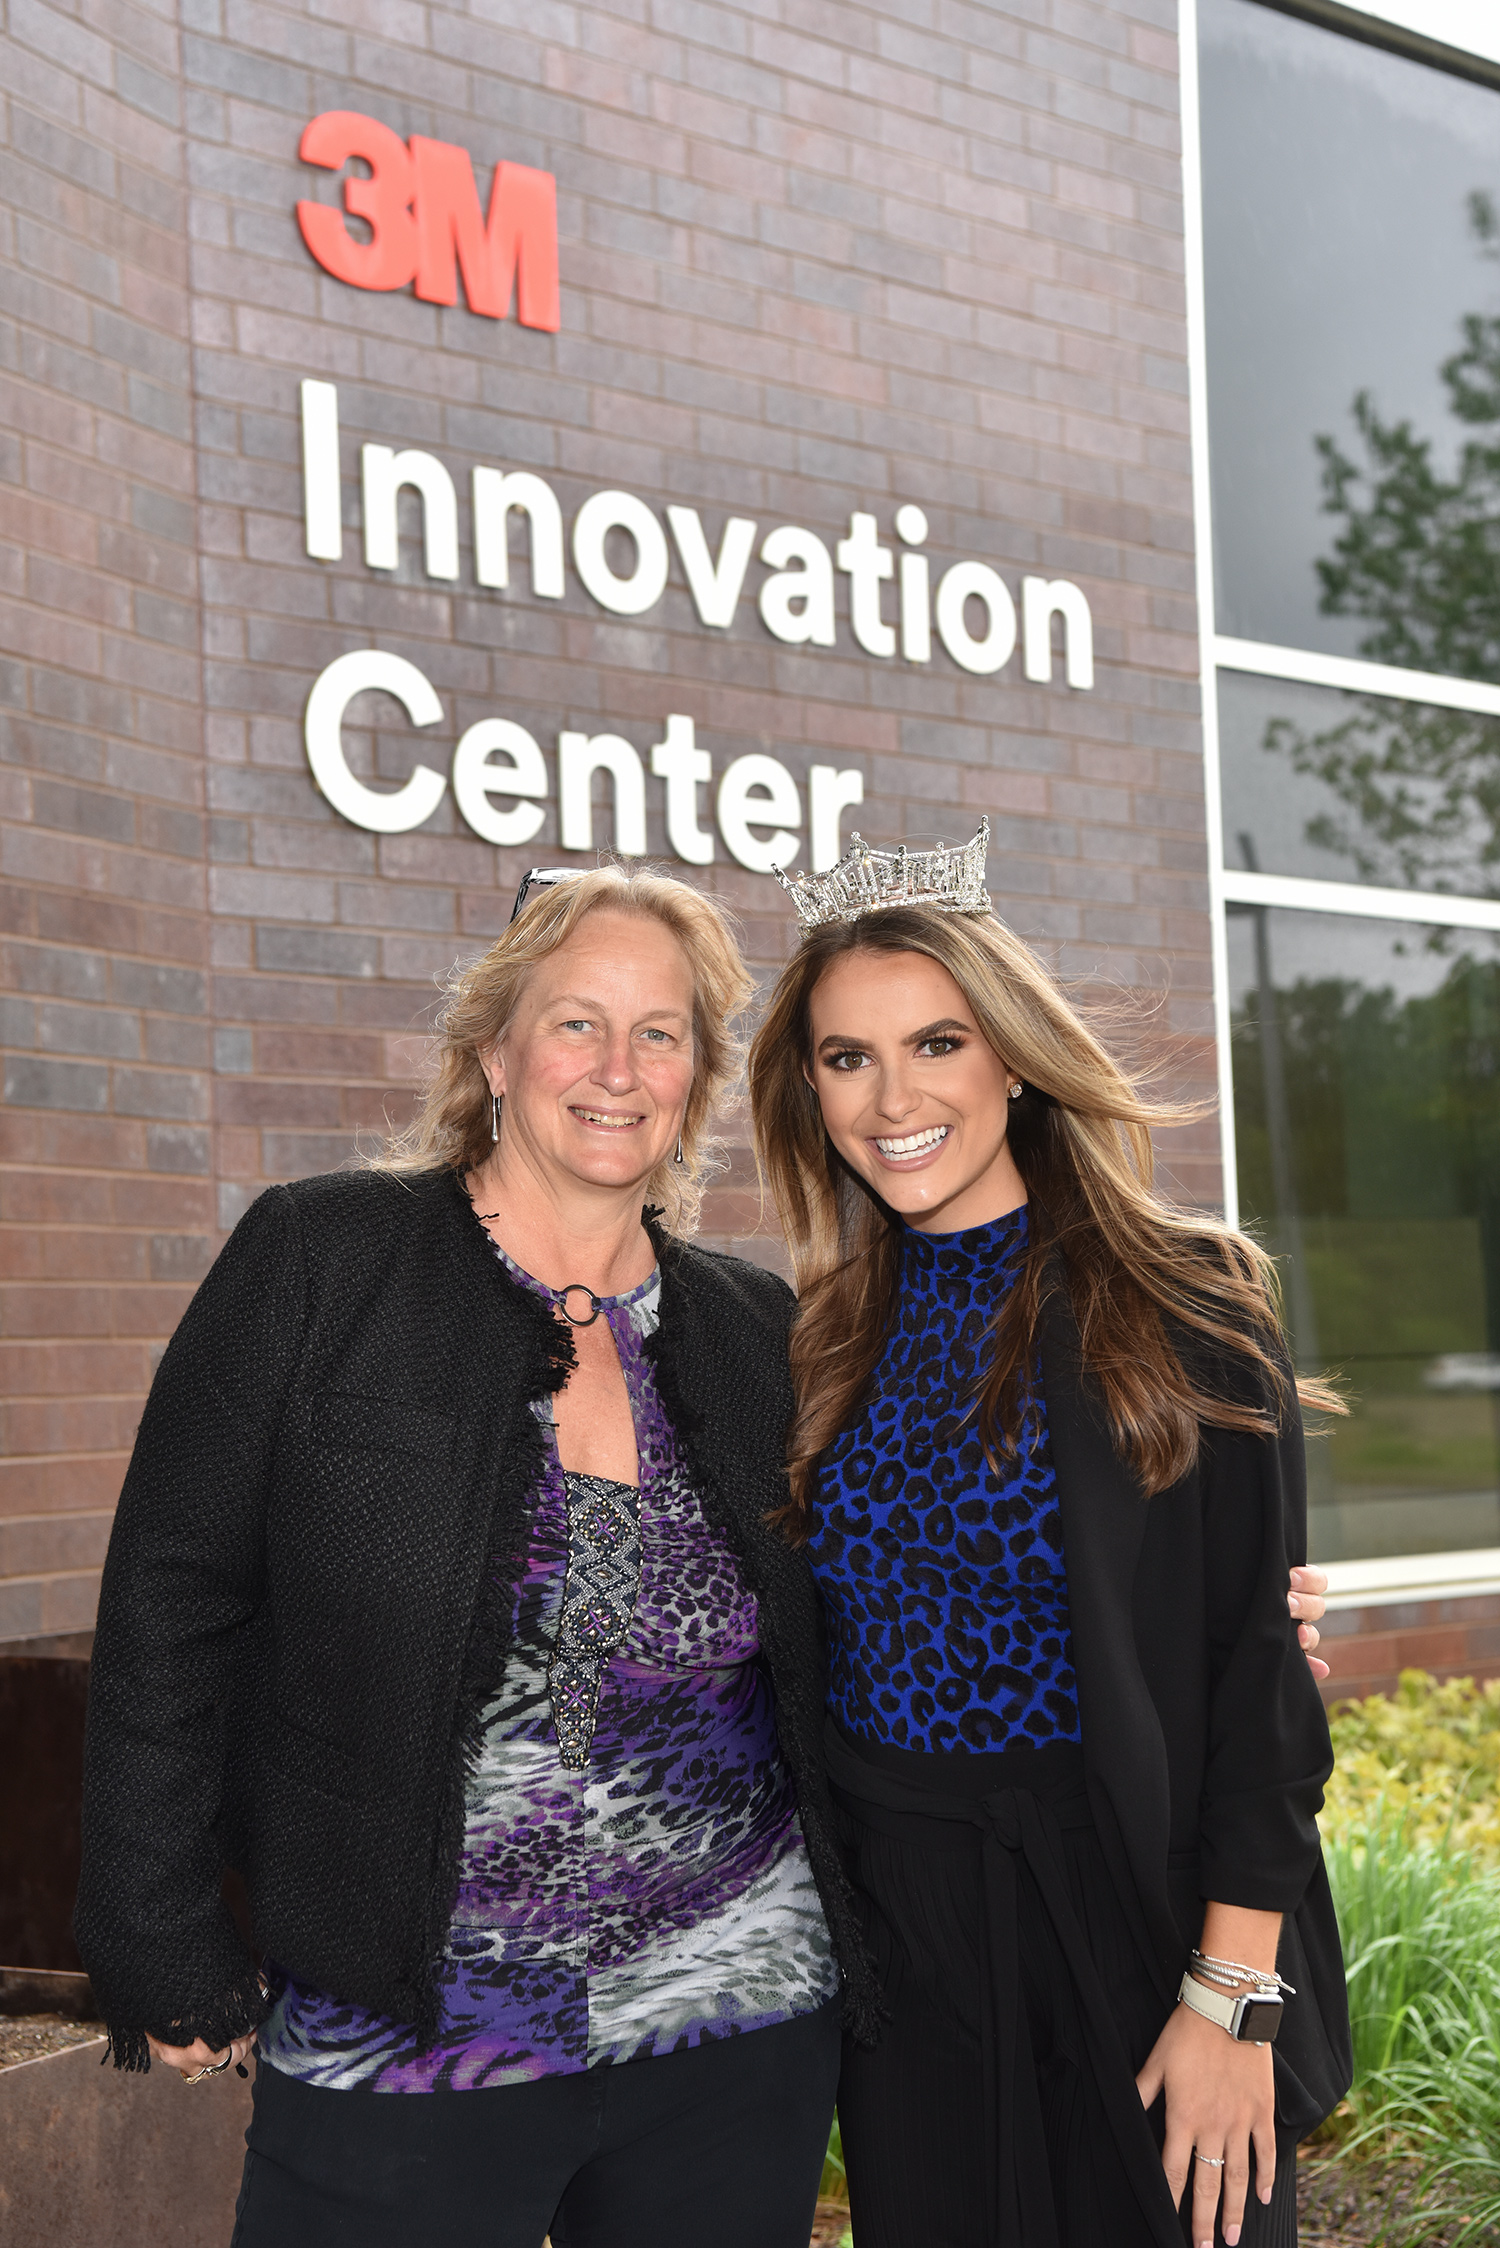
1251, 2016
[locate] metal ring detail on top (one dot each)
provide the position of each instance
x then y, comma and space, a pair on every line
577, 1288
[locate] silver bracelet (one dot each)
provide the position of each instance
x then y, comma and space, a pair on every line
1227, 1972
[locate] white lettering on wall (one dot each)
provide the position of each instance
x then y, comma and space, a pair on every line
757, 792
714, 586
498, 759
916, 605
321, 490
500, 776
797, 604
478, 778
795, 599
579, 757
495, 494
685, 768
976, 581
1041, 600
611, 511
869, 564
385, 812
830, 793
384, 474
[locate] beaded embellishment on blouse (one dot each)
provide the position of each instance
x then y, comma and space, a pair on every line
603, 1583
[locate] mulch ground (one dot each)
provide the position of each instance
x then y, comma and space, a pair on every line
26, 2037
1340, 2205
1351, 2204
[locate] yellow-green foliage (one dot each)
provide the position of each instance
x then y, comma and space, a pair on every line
1431, 1752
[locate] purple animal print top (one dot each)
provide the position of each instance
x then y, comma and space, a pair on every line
634, 1878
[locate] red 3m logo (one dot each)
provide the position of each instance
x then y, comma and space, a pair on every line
422, 208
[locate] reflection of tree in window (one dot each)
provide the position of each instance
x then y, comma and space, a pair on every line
1418, 556
1391, 1106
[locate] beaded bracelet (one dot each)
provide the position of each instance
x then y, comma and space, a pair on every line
1228, 1972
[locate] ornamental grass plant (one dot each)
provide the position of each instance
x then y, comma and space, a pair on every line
1412, 1838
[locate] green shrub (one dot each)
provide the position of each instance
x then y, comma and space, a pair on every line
1429, 1753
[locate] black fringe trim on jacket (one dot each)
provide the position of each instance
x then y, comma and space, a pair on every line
242, 2010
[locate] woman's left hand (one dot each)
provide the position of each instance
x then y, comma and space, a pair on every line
1221, 2100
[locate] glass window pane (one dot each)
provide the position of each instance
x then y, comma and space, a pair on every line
1344, 251
1351, 788
1367, 1111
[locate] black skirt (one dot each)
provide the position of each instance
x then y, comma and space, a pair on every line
999, 2108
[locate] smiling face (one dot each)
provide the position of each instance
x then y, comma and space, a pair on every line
596, 1064
913, 1097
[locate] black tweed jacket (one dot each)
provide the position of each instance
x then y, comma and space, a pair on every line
308, 1597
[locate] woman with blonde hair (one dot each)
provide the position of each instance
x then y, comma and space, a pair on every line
443, 1608
1046, 1466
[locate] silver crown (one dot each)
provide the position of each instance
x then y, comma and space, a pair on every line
950, 878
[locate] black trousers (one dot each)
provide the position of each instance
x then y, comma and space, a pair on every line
999, 2108
719, 2147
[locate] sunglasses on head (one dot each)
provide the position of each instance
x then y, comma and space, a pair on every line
541, 878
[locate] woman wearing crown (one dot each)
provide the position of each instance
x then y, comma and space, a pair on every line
1047, 1469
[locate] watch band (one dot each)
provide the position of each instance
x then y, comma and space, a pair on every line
1214, 2005
1242, 2014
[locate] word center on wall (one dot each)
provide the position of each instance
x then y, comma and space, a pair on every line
622, 557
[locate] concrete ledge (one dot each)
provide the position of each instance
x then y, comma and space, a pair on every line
93, 2158
1412, 1576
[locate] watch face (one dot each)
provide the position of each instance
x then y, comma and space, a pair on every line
1260, 2021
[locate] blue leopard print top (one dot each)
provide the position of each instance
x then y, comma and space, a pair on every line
943, 1580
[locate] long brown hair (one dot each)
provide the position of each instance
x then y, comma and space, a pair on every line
452, 1129
1143, 1278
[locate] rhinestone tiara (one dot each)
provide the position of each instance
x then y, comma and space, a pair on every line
950, 878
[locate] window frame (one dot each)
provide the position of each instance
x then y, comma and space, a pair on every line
1473, 53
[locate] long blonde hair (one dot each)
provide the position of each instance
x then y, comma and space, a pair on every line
452, 1128
1144, 1279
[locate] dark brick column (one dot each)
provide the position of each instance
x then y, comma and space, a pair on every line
106, 1211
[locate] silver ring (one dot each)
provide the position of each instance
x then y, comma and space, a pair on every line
1214, 2161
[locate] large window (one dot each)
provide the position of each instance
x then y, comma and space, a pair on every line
1348, 338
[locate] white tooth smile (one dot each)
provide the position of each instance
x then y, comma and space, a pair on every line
915, 1143
602, 1116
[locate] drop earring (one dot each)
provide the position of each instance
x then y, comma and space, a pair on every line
495, 1102
678, 1157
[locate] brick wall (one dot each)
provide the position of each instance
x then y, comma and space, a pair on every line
1368, 1648
106, 1161
839, 260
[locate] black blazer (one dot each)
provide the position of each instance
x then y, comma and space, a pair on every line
1204, 1735
308, 1596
